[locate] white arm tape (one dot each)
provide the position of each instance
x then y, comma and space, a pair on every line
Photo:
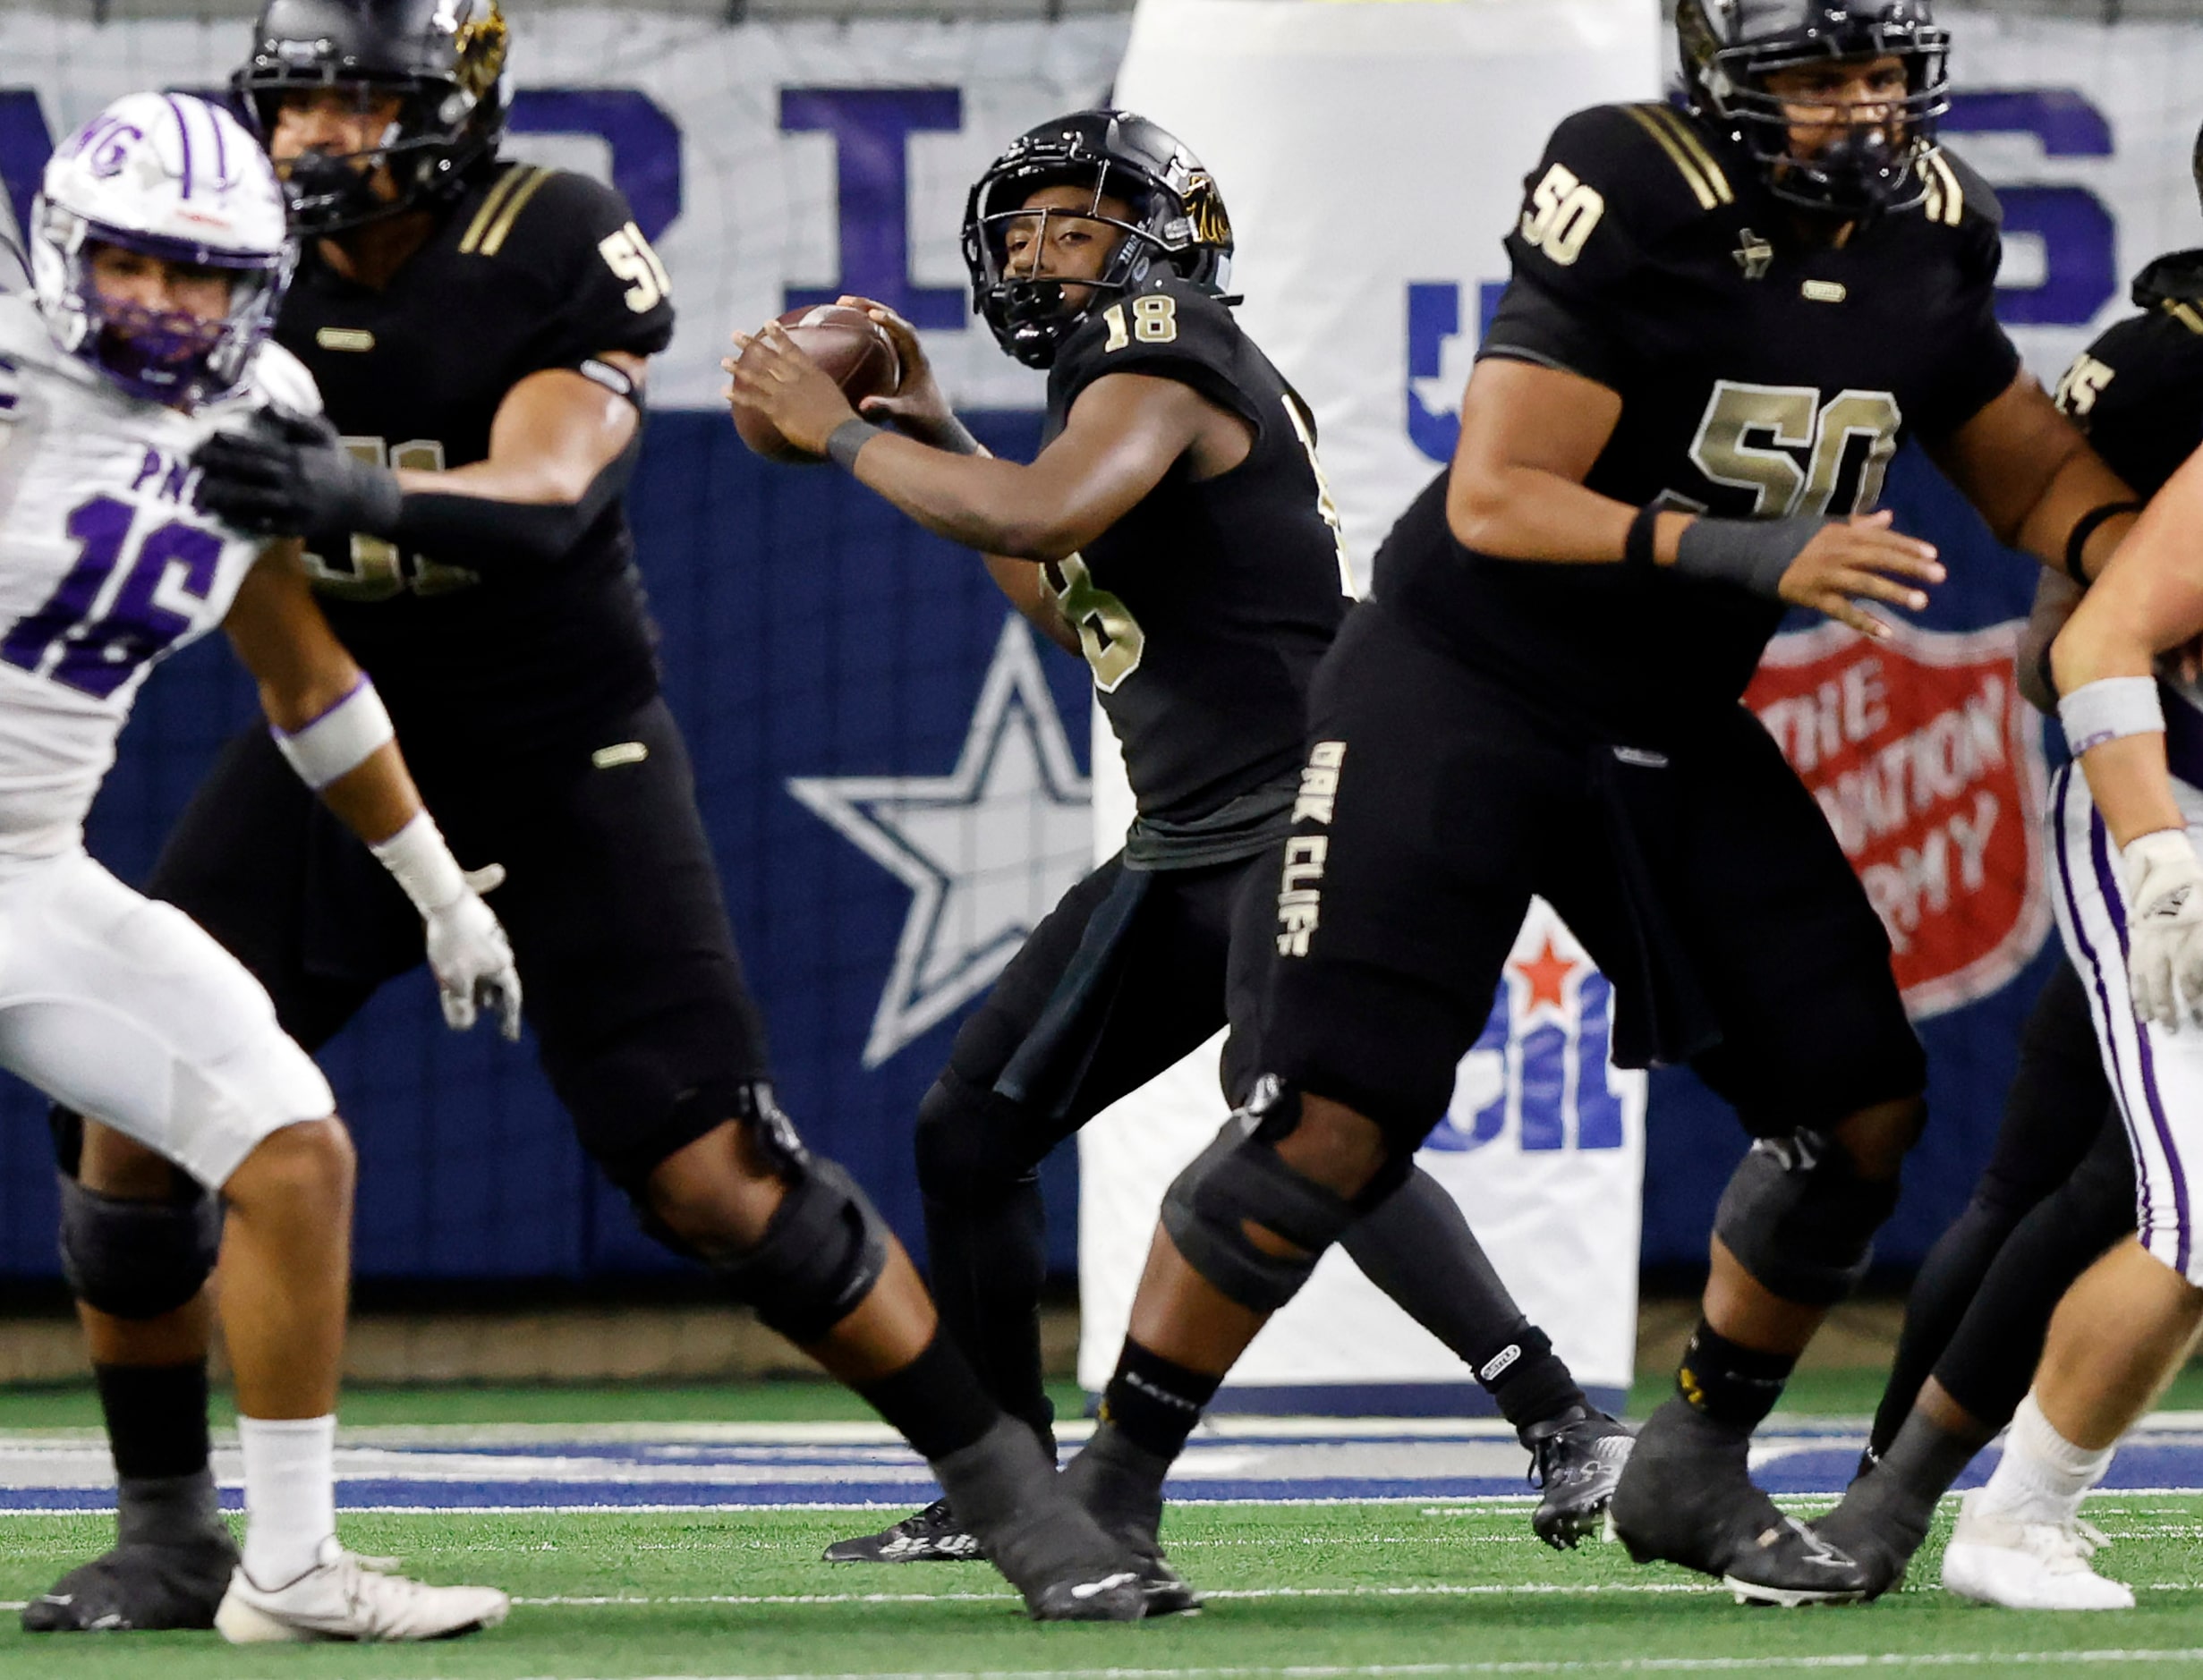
422, 864
2109, 708
341, 740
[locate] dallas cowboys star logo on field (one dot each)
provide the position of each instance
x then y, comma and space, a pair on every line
986, 850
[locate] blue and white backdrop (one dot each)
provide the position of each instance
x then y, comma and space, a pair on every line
897, 777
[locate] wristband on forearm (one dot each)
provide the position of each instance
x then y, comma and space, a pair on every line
1753, 553
2109, 708
846, 438
1636, 548
2084, 528
421, 863
340, 740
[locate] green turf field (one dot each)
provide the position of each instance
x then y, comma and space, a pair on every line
1317, 1590
1335, 1589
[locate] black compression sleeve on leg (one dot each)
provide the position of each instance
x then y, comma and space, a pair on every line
1415, 1246
155, 1417
987, 1264
935, 1401
1948, 1280
1992, 1355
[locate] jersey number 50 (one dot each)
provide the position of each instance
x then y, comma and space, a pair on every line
1853, 430
377, 569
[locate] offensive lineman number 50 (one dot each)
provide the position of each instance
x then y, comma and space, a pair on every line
1561, 214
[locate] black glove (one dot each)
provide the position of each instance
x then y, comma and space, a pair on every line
287, 474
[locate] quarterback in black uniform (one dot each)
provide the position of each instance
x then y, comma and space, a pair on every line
2059, 1189
1722, 323
1177, 531
479, 329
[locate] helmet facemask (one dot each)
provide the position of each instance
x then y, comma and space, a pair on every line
1029, 312
166, 356
1879, 163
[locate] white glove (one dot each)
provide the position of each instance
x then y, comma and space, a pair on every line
2164, 926
472, 958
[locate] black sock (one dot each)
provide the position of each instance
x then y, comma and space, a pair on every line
1529, 1379
986, 1260
935, 1401
1155, 1401
1729, 1383
156, 1418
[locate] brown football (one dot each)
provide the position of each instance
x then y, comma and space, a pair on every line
858, 355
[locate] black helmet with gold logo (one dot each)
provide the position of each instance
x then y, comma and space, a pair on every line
444, 58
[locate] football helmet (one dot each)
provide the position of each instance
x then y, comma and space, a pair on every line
1176, 218
445, 58
169, 176
1731, 46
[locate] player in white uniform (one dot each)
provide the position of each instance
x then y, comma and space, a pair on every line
2128, 891
159, 254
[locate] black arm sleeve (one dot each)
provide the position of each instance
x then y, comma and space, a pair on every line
496, 535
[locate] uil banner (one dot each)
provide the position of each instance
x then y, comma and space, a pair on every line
1326, 127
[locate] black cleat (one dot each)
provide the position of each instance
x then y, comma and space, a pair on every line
1576, 1457
139, 1587
1686, 1497
1122, 1486
934, 1535
1027, 1525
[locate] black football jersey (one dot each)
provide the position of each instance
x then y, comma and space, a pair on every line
2138, 390
1204, 609
1760, 375
532, 268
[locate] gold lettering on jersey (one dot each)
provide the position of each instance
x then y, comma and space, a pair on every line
354, 338
1560, 214
1823, 291
1326, 503
2081, 385
1109, 635
1300, 895
1752, 437
377, 569
629, 256
1319, 782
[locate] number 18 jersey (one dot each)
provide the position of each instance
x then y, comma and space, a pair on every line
105, 564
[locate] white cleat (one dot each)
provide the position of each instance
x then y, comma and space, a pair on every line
346, 1597
1994, 1558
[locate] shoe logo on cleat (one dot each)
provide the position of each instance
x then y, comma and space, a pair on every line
1095, 1589
1817, 1549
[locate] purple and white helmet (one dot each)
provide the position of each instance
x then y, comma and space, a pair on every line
174, 177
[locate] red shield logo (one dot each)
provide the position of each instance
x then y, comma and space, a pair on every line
1929, 768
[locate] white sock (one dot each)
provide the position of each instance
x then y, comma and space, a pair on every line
289, 1495
2042, 1475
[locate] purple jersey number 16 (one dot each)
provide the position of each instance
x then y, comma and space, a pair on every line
99, 655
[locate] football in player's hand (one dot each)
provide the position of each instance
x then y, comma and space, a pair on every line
852, 349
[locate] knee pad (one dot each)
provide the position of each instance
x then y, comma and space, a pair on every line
1241, 1179
824, 1251
1801, 1219
138, 1259
970, 1145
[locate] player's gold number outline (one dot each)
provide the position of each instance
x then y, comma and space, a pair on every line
1561, 214
1155, 321
1111, 637
1796, 421
378, 569
629, 256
